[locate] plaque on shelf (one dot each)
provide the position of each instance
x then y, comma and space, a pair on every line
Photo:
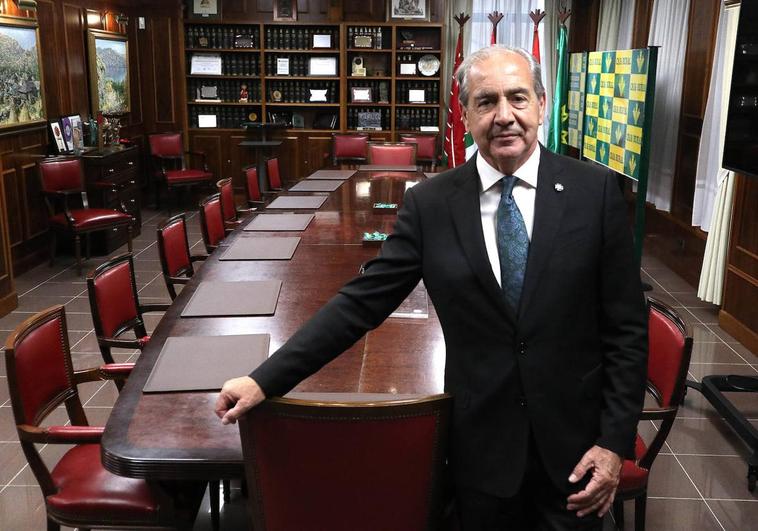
298, 122
205, 64
370, 121
322, 41
276, 95
252, 116
322, 66
428, 65
202, 42
282, 66
206, 120
429, 129
416, 96
358, 69
361, 95
243, 41
407, 69
317, 95
363, 41
208, 94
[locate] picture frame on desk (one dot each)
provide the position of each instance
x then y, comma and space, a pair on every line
108, 54
408, 10
205, 8
285, 10
26, 97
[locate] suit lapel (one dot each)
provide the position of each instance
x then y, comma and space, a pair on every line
465, 210
549, 206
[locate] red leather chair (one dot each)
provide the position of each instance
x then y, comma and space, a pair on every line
62, 184
426, 151
229, 211
395, 153
78, 491
371, 466
272, 171
170, 162
254, 196
669, 350
211, 222
174, 253
115, 307
349, 148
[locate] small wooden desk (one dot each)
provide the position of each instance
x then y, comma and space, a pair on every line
178, 437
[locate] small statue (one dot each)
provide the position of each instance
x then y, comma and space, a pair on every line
243, 93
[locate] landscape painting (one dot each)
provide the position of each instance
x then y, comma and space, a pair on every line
21, 97
109, 72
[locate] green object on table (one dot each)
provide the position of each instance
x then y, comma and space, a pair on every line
374, 236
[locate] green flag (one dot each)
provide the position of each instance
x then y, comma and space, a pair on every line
559, 115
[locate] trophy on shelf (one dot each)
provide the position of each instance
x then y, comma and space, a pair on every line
408, 42
358, 69
243, 93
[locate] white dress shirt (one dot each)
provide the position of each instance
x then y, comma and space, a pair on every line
524, 193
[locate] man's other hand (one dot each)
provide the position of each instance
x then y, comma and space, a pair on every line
237, 396
600, 492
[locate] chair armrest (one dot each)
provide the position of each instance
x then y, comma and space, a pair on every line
106, 185
74, 434
118, 343
658, 413
91, 374
60, 434
245, 211
256, 204
198, 257
116, 371
179, 280
273, 191
154, 307
61, 193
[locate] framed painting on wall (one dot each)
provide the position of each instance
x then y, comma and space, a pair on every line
108, 72
205, 8
22, 98
408, 10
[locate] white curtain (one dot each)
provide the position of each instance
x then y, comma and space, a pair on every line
608, 25
668, 29
714, 186
614, 29
626, 25
452, 9
707, 179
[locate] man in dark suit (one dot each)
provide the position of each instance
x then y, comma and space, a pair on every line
527, 257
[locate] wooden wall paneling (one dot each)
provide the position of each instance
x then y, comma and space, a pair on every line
703, 24
291, 161
237, 9
319, 151
643, 10
56, 91
74, 37
739, 315
238, 158
373, 10
584, 19
136, 60
163, 60
8, 298
214, 145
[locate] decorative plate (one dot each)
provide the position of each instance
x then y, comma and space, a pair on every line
428, 65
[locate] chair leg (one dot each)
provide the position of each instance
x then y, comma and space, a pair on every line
78, 254
618, 513
227, 490
52, 526
213, 496
129, 237
88, 246
640, 505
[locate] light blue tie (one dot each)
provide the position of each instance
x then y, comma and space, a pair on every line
512, 244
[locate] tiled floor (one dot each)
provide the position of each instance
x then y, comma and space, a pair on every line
698, 481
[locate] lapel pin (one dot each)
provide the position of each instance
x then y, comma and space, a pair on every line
558, 187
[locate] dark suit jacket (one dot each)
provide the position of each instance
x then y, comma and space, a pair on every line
570, 365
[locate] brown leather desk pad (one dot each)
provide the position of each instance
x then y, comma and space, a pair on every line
332, 174
204, 363
241, 298
287, 202
279, 222
316, 185
261, 248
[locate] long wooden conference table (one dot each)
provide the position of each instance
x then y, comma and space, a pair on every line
167, 437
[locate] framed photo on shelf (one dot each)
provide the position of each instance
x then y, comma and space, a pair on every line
285, 10
408, 10
206, 8
21, 91
108, 54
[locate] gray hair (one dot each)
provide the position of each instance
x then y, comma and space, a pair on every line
482, 55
